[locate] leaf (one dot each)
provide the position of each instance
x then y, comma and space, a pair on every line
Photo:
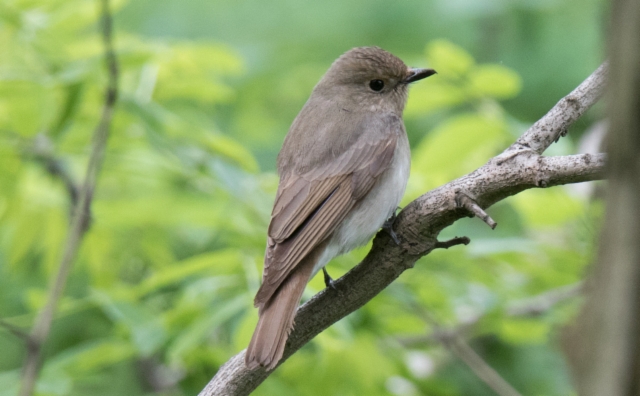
232, 150
91, 356
548, 207
147, 330
495, 81
9, 382
69, 109
54, 381
195, 334
193, 71
179, 271
432, 95
453, 148
448, 59
520, 331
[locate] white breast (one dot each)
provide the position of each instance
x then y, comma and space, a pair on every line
376, 207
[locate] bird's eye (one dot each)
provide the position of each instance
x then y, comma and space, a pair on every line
376, 85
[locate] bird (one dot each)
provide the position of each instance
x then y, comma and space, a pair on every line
343, 170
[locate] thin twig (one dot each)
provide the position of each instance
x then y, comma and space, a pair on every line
15, 330
528, 307
482, 369
464, 201
42, 150
538, 305
452, 242
453, 341
42, 326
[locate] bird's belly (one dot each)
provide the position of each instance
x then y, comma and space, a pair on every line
371, 212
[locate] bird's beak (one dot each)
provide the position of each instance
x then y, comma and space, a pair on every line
418, 74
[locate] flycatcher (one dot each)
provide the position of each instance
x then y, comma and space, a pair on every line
343, 169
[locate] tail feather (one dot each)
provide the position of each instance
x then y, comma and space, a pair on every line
276, 317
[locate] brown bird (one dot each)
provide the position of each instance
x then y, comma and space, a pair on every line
343, 169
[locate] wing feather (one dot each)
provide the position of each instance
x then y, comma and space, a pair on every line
311, 205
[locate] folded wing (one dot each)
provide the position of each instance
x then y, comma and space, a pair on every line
310, 206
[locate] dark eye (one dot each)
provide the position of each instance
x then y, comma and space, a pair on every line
376, 85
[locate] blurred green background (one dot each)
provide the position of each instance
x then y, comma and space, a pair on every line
161, 293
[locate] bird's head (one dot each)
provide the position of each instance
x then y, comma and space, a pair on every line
371, 79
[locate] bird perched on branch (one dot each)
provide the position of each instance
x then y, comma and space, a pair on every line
343, 169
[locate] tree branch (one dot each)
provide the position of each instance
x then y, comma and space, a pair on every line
529, 307
518, 168
480, 368
557, 121
79, 221
15, 330
453, 340
42, 150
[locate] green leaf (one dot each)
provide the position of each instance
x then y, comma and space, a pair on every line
548, 207
454, 148
520, 331
179, 271
203, 63
448, 59
73, 96
198, 331
9, 382
147, 330
495, 81
432, 95
232, 150
91, 356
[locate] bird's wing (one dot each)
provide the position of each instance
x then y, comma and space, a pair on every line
310, 206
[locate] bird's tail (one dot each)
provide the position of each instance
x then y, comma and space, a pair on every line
276, 317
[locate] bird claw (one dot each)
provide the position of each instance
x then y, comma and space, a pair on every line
328, 281
388, 227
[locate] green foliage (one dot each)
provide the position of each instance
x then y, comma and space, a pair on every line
161, 293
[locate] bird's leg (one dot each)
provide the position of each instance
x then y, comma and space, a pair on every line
388, 227
328, 282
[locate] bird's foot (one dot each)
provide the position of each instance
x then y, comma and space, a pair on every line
388, 227
328, 281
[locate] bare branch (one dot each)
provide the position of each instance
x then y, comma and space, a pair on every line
452, 242
453, 341
557, 121
542, 303
567, 169
43, 151
519, 168
532, 306
15, 330
480, 368
79, 221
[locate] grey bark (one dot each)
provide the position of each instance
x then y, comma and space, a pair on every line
518, 168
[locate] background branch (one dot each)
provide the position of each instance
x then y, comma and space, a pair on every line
42, 150
454, 338
529, 307
518, 168
79, 221
459, 347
